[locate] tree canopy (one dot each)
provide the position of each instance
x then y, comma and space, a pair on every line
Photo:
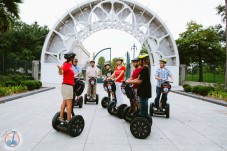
9, 12
198, 44
24, 41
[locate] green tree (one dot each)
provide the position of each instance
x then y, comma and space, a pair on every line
143, 50
198, 44
113, 63
101, 63
24, 41
222, 10
9, 12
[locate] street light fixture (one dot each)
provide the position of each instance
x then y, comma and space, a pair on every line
134, 48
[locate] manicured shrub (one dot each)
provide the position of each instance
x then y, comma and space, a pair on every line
221, 95
185, 85
188, 88
32, 84
202, 90
29, 84
10, 83
195, 89
4, 91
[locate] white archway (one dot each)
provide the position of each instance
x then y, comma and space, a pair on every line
92, 16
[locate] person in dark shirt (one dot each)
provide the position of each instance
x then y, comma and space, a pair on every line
108, 72
144, 84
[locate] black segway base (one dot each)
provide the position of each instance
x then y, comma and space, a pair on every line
74, 127
116, 112
96, 100
156, 111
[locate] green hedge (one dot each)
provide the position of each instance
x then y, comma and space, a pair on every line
187, 88
202, 90
4, 91
32, 84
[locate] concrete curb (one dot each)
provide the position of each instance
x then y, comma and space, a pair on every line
207, 99
21, 95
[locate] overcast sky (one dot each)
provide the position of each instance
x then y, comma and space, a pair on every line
175, 13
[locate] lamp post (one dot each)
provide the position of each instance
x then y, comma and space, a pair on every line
134, 48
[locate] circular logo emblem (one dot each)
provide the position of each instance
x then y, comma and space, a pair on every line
11, 139
166, 90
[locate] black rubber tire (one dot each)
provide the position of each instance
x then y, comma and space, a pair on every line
76, 126
55, 121
80, 102
126, 112
167, 110
105, 102
120, 110
110, 107
97, 99
140, 128
152, 109
85, 98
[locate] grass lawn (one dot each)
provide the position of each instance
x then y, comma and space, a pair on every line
207, 77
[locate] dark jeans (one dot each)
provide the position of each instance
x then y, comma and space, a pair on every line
158, 94
144, 107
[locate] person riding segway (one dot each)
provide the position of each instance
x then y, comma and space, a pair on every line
140, 127
79, 85
92, 74
134, 105
62, 121
160, 105
106, 100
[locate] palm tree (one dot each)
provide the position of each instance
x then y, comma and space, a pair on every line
9, 12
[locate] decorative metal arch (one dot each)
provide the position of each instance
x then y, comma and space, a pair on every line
95, 15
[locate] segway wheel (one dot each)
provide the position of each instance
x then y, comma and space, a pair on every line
80, 102
120, 110
152, 109
97, 99
126, 113
85, 99
105, 102
140, 128
55, 120
110, 108
167, 110
76, 126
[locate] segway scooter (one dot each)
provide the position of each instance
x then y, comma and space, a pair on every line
74, 127
106, 100
139, 127
78, 90
112, 110
163, 109
92, 82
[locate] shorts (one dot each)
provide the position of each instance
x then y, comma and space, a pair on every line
67, 92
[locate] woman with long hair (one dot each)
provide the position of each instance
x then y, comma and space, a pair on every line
144, 84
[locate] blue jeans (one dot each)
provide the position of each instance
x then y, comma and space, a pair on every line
158, 94
144, 107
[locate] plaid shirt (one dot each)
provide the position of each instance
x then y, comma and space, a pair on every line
164, 74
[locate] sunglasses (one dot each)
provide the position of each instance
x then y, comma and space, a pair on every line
75, 60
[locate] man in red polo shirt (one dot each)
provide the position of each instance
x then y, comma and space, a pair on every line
135, 75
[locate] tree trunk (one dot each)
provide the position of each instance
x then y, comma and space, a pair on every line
226, 44
200, 71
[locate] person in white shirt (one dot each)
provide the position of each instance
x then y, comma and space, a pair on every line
92, 71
